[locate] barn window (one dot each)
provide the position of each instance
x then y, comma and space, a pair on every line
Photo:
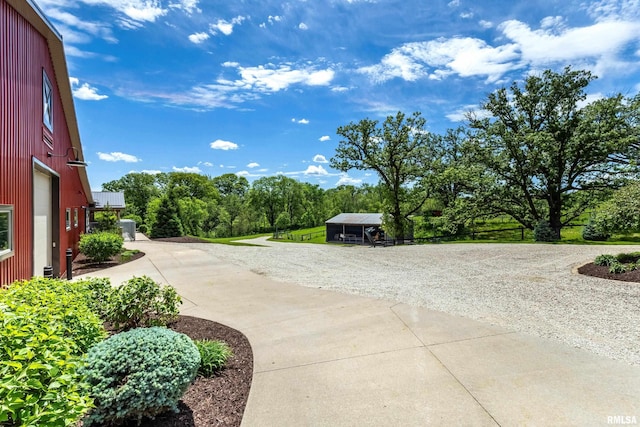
6, 231
75, 218
67, 217
47, 102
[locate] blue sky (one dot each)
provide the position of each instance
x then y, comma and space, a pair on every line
259, 87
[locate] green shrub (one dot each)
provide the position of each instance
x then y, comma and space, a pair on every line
592, 233
213, 356
128, 254
141, 302
140, 373
617, 267
45, 327
107, 221
605, 260
544, 233
628, 257
96, 290
101, 246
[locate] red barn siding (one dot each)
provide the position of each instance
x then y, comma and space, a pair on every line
24, 53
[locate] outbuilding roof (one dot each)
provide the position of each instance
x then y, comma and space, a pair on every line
357, 219
115, 200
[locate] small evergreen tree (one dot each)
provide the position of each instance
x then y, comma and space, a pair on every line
167, 223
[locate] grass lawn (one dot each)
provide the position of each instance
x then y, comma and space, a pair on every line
233, 241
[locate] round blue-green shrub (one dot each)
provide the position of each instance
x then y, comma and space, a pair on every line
139, 373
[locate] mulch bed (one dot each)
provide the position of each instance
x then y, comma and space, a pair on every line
215, 401
82, 265
603, 272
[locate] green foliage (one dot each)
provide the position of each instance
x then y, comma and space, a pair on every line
107, 221
592, 233
544, 155
128, 254
628, 257
139, 373
167, 223
141, 302
101, 246
543, 232
621, 213
45, 327
134, 217
400, 152
605, 260
617, 267
96, 290
213, 356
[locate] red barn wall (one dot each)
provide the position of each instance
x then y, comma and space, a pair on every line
24, 54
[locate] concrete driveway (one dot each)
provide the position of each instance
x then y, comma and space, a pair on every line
326, 358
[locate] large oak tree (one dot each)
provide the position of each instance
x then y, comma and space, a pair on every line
549, 156
400, 152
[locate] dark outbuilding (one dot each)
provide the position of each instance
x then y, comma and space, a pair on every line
352, 227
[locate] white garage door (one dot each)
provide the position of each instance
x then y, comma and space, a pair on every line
42, 226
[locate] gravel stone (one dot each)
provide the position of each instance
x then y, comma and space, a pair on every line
531, 288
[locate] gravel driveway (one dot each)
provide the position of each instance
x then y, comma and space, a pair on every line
524, 287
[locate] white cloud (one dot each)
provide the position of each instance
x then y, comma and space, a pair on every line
253, 165
188, 6
486, 24
316, 170
151, 171
555, 43
248, 174
272, 78
319, 158
463, 56
466, 15
454, 3
117, 156
324, 138
347, 180
460, 114
253, 82
208, 164
219, 144
85, 91
226, 27
608, 10
198, 38
302, 26
596, 46
300, 121
187, 169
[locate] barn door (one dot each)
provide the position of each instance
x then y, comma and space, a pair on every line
42, 222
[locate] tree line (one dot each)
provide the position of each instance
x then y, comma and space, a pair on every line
535, 151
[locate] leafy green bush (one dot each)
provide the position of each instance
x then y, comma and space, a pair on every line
45, 327
107, 221
96, 290
142, 302
592, 233
139, 373
544, 233
128, 254
101, 246
617, 267
213, 356
605, 260
167, 222
628, 257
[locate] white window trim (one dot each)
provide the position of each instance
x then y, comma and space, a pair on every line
75, 217
6, 253
67, 218
47, 102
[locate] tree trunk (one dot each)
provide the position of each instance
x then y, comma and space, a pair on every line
555, 214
